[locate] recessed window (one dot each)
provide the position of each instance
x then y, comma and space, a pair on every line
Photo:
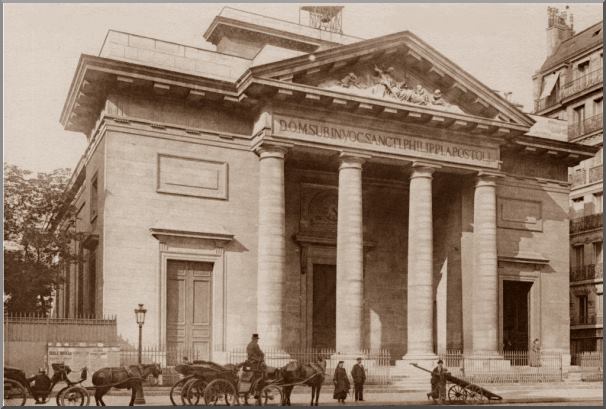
583, 66
598, 200
93, 198
583, 309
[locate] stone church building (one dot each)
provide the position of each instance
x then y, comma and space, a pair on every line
319, 189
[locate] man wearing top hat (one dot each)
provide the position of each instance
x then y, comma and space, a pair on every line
256, 357
359, 377
438, 382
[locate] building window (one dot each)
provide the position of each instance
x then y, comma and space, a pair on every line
579, 114
598, 105
577, 202
579, 257
583, 309
583, 66
92, 282
597, 252
598, 202
93, 198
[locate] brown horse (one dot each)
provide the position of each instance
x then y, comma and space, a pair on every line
311, 374
122, 378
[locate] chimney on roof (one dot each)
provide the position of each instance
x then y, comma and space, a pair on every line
559, 27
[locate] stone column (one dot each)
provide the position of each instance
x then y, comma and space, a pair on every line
420, 266
272, 245
485, 278
350, 255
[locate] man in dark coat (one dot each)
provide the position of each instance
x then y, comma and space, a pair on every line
438, 382
254, 354
359, 377
256, 358
40, 385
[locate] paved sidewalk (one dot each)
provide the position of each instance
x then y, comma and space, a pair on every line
539, 393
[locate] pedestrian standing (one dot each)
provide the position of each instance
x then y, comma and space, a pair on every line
358, 375
438, 383
341, 382
535, 353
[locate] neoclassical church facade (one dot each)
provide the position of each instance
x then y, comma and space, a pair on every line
319, 189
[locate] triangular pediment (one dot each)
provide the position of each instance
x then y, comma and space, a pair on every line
386, 82
398, 68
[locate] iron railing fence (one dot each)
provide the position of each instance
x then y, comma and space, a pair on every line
592, 365
586, 272
506, 367
38, 328
581, 83
376, 362
586, 320
589, 222
584, 127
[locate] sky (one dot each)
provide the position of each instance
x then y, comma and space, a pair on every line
502, 45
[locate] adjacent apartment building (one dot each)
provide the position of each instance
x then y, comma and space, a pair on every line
568, 86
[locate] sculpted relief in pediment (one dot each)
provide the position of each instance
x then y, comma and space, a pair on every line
387, 83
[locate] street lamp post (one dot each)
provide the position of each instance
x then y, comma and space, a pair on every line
140, 317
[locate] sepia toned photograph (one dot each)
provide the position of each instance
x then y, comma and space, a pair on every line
281, 204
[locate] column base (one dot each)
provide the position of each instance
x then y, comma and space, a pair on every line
485, 362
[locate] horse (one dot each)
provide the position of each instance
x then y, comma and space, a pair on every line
311, 374
122, 378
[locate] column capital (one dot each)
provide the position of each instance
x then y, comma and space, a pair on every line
423, 169
352, 160
484, 178
270, 150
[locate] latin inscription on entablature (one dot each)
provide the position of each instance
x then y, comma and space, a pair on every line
519, 214
322, 132
192, 177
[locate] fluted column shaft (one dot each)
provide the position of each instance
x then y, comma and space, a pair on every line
485, 278
272, 245
350, 253
420, 265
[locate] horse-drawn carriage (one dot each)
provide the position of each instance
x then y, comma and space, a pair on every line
17, 387
211, 384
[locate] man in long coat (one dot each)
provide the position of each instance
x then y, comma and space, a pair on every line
438, 382
359, 377
256, 358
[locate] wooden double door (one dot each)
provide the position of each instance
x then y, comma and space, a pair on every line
189, 308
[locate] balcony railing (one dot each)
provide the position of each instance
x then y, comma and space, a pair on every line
544, 103
580, 224
570, 88
588, 272
584, 177
581, 83
589, 125
588, 320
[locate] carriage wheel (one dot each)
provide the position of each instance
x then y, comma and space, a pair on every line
271, 395
457, 393
220, 392
474, 394
74, 396
14, 393
193, 391
175, 392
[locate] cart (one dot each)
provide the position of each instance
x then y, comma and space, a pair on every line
462, 391
17, 387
